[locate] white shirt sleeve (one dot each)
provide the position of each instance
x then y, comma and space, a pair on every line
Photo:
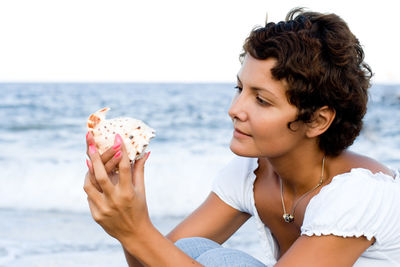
358, 203
234, 183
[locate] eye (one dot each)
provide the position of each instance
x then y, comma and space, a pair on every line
238, 89
262, 102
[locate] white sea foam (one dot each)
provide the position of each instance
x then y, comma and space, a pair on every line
176, 180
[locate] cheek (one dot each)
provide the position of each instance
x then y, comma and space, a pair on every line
271, 128
274, 135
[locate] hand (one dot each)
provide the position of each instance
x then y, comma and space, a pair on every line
119, 208
108, 159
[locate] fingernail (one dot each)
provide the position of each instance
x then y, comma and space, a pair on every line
116, 146
92, 149
88, 163
148, 154
117, 154
118, 139
88, 135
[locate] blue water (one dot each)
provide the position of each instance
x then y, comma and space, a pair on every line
44, 218
44, 127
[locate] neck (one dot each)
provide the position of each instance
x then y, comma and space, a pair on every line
299, 171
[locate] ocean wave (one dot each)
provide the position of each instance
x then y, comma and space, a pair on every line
43, 161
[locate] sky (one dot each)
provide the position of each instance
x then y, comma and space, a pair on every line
166, 41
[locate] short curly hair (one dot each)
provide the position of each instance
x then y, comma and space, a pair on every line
323, 64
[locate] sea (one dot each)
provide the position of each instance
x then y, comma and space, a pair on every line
44, 215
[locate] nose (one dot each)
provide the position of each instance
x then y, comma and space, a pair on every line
237, 109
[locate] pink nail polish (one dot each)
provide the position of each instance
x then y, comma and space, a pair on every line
116, 146
88, 163
148, 154
92, 149
89, 134
118, 139
117, 154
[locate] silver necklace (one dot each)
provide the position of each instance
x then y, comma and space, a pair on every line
289, 217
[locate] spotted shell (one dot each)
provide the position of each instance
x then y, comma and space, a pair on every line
135, 133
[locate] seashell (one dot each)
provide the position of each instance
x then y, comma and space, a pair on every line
129, 129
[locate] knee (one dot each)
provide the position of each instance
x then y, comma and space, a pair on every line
196, 241
195, 246
228, 257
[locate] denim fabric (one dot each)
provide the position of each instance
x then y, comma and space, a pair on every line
212, 254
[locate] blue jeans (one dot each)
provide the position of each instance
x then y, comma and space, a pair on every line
212, 254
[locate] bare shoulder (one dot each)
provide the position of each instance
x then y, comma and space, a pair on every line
349, 160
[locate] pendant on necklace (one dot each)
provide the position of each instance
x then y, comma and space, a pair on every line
288, 217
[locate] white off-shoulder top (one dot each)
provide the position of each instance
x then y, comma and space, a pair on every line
357, 203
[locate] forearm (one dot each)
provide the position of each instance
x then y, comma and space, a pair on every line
151, 248
131, 260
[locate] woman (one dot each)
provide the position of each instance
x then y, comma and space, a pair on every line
301, 96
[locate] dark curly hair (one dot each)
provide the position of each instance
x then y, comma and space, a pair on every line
323, 64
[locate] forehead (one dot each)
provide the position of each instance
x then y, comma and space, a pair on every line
257, 73
257, 65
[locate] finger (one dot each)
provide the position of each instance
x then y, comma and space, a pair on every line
90, 189
124, 165
94, 200
90, 175
138, 173
99, 171
90, 167
108, 154
94, 210
89, 141
113, 162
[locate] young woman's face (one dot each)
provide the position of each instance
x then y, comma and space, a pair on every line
261, 112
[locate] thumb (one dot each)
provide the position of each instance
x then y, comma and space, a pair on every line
138, 173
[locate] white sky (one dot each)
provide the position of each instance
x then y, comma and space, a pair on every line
165, 41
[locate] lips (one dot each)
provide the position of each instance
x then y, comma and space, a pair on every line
239, 132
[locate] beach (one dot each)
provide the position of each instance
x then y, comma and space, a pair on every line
53, 238
45, 220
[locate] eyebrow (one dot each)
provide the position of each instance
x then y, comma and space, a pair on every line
256, 89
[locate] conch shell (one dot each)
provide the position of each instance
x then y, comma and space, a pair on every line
135, 133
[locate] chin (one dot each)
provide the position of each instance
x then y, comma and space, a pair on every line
241, 150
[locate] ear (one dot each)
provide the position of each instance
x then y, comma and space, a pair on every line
322, 119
